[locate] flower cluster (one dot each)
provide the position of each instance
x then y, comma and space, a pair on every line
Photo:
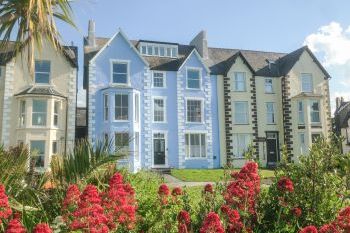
285, 185
15, 226
234, 223
163, 193
296, 211
309, 229
42, 228
177, 191
184, 221
100, 212
5, 209
208, 188
243, 190
120, 203
211, 224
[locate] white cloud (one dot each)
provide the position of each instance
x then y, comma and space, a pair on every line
333, 42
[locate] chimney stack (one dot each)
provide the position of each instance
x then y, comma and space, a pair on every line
201, 44
91, 40
337, 102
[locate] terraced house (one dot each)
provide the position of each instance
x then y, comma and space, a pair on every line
38, 109
192, 106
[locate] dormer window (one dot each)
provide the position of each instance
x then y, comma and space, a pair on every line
42, 72
158, 49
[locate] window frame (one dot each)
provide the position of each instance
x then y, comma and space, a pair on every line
121, 107
301, 112
22, 113
105, 107
136, 107
164, 79
247, 113
235, 81
123, 147
235, 139
137, 146
273, 113
302, 76
46, 113
200, 77
313, 111
53, 147
268, 85
202, 110
188, 147
164, 99
56, 115
39, 154
41, 72
117, 61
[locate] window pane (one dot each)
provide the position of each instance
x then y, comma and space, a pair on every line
194, 110
162, 51
241, 143
120, 78
158, 79
158, 113
193, 79
121, 107
306, 83
42, 77
37, 149
39, 112
42, 71
241, 112
240, 83
120, 73
315, 112
174, 52
119, 68
143, 49
268, 86
122, 142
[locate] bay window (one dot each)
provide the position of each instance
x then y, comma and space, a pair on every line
121, 107
39, 112
195, 145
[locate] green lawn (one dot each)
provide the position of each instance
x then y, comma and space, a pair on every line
214, 175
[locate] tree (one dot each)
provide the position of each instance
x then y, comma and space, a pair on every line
32, 22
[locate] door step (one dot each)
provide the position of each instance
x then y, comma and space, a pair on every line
161, 170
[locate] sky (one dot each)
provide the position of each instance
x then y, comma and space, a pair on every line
266, 25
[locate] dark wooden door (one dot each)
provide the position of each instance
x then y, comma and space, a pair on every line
159, 151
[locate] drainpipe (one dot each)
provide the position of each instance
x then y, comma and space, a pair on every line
66, 128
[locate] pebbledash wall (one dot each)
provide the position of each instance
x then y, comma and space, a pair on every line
221, 72
175, 93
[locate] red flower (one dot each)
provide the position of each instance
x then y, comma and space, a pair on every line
72, 197
177, 191
343, 219
285, 185
5, 209
116, 179
234, 224
163, 190
42, 228
15, 226
184, 221
296, 212
212, 224
309, 229
208, 188
328, 228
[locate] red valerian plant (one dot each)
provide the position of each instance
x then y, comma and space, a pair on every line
177, 191
309, 229
15, 226
208, 188
233, 219
328, 228
184, 221
90, 215
241, 193
70, 203
343, 220
42, 228
163, 193
285, 185
212, 224
5, 209
120, 204
296, 211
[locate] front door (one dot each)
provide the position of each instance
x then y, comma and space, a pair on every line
272, 149
159, 150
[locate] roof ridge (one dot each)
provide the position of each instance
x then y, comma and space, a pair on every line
248, 50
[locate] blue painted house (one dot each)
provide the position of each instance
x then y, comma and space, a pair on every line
155, 101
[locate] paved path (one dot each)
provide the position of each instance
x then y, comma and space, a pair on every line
174, 182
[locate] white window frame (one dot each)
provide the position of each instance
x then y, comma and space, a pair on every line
35, 72
268, 85
164, 98
164, 79
202, 110
46, 113
235, 139
115, 61
105, 107
188, 150
125, 148
22, 113
235, 81
302, 143
56, 115
301, 112
136, 107
312, 111
200, 77
235, 112
302, 82
39, 154
115, 108
137, 145
273, 113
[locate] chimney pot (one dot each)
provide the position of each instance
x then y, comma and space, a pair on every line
91, 39
201, 44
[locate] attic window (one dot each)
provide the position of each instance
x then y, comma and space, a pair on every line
160, 50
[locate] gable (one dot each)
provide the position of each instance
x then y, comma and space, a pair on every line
194, 60
239, 65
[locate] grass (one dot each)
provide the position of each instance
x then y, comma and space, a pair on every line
210, 175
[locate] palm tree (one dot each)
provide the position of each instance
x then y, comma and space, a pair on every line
32, 22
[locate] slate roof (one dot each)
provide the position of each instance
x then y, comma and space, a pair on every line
70, 52
220, 60
46, 91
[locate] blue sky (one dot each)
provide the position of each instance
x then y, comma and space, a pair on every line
268, 25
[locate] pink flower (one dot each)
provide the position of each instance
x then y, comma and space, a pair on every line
116, 179
184, 221
296, 212
208, 188
177, 191
309, 229
15, 226
328, 228
163, 190
212, 224
5, 209
42, 228
285, 185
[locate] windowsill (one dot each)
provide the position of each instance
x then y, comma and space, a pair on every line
119, 84
238, 158
120, 121
316, 123
159, 87
43, 84
270, 92
194, 89
241, 124
195, 158
159, 122
194, 123
271, 123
